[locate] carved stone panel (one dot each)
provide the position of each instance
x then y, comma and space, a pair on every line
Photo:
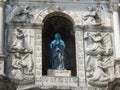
20, 55
99, 58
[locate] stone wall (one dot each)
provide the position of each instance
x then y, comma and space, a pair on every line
95, 49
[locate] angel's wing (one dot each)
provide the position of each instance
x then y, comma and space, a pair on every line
107, 62
107, 40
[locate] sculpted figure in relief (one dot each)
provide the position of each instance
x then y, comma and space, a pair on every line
57, 50
21, 66
99, 74
90, 17
18, 43
23, 15
99, 65
16, 73
101, 43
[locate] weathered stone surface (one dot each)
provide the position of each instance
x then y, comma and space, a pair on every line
59, 72
91, 38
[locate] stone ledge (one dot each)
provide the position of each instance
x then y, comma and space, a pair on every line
52, 72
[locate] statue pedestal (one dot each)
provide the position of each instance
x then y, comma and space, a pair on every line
52, 72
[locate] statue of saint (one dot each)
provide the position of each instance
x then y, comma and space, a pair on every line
18, 43
58, 55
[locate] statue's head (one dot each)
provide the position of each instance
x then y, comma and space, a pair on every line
90, 8
57, 36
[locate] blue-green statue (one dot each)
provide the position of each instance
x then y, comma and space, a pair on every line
58, 53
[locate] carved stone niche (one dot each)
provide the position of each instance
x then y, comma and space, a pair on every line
58, 22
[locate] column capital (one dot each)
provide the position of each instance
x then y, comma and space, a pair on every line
115, 7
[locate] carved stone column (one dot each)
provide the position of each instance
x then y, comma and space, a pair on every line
80, 55
38, 56
1, 36
116, 27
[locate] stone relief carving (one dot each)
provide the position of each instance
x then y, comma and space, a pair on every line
21, 53
18, 44
91, 17
99, 73
21, 68
99, 44
99, 61
23, 14
99, 15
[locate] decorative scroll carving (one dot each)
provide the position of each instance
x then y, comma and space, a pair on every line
99, 74
91, 17
99, 61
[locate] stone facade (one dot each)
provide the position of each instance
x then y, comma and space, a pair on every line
89, 28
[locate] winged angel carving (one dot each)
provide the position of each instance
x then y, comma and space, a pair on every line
24, 14
98, 58
98, 43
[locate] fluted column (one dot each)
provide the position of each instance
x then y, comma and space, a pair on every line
116, 27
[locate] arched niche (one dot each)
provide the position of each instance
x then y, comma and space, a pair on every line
58, 22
